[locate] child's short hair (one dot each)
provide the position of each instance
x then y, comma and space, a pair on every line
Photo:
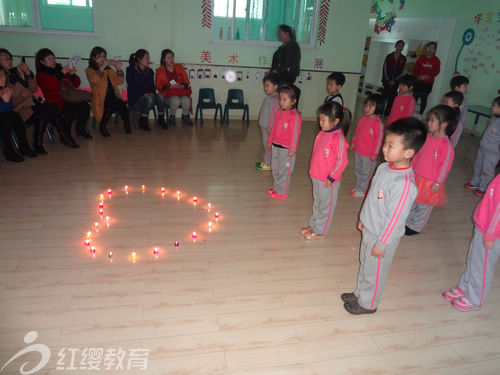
378, 101
458, 81
408, 80
271, 77
292, 91
456, 97
334, 110
412, 130
497, 101
446, 114
338, 77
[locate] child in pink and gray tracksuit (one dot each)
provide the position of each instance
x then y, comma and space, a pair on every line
484, 252
328, 162
404, 104
366, 143
432, 165
283, 140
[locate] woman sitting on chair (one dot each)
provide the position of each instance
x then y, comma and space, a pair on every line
173, 84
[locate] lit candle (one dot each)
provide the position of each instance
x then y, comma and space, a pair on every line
209, 226
110, 254
101, 197
101, 204
163, 190
176, 243
89, 234
92, 250
143, 188
126, 187
195, 199
178, 194
217, 215
96, 225
194, 235
110, 192
155, 251
133, 254
87, 242
101, 211
209, 206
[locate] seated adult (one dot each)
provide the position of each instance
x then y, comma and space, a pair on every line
11, 121
173, 84
106, 96
51, 78
141, 89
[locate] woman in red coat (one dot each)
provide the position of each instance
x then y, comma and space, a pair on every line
50, 77
173, 84
426, 68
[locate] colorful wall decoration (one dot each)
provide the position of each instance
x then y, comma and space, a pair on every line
385, 22
323, 21
206, 14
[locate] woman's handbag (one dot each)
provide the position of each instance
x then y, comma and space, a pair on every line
73, 95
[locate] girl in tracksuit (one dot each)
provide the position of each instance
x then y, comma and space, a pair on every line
328, 162
431, 166
283, 140
484, 252
366, 143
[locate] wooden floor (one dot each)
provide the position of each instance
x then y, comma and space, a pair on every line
250, 297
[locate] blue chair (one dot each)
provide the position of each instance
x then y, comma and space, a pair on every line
235, 100
206, 100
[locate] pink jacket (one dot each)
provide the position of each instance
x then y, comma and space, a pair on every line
329, 156
434, 160
368, 137
403, 106
487, 213
286, 129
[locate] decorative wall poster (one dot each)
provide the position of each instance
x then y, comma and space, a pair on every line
480, 49
206, 14
385, 22
323, 21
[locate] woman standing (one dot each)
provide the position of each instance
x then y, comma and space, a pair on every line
426, 68
106, 96
141, 89
51, 78
392, 72
286, 59
173, 84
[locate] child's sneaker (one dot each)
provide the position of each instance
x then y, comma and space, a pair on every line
276, 195
469, 186
271, 192
478, 193
463, 304
304, 230
262, 166
357, 194
453, 294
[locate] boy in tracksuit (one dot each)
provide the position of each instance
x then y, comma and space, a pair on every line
268, 109
383, 215
404, 104
488, 153
484, 252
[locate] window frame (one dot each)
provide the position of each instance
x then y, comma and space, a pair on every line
37, 24
263, 42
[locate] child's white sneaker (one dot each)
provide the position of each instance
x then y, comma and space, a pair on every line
453, 294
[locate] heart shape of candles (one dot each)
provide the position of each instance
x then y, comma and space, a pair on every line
114, 207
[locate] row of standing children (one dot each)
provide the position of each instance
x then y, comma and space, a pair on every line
399, 202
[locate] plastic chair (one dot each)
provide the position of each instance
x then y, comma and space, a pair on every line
206, 100
235, 101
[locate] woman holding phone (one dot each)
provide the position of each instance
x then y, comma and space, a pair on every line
106, 96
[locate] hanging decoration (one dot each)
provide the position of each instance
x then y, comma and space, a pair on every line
206, 14
385, 22
467, 38
323, 21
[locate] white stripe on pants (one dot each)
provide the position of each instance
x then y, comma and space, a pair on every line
418, 216
363, 168
266, 156
480, 268
373, 271
282, 167
484, 168
325, 200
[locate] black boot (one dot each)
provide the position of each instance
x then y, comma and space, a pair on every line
24, 147
143, 124
161, 121
38, 132
11, 154
103, 130
186, 120
83, 132
171, 120
66, 138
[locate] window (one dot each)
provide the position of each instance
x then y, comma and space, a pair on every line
258, 20
38, 15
